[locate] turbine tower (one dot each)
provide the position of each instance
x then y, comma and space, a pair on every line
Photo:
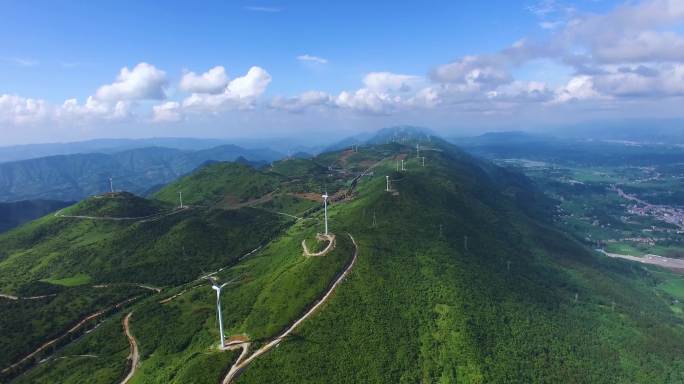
325, 210
111, 185
402, 165
180, 198
217, 288
417, 150
387, 178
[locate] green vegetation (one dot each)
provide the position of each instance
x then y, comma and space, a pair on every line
26, 324
289, 204
220, 183
71, 281
61, 256
420, 307
462, 276
162, 251
98, 357
116, 205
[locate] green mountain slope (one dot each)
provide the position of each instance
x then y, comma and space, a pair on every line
74, 261
460, 277
220, 183
421, 307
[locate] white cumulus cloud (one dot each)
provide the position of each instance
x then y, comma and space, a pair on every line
482, 72
390, 82
211, 81
21, 110
577, 89
142, 82
302, 102
240, 93
93, 108
167, 112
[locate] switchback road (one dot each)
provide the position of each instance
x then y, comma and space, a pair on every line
242, 362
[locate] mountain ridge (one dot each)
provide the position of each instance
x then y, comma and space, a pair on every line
460, 277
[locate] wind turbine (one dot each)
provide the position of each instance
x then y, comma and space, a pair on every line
180, 197
402, 165
325, 210
217, 288
111, 185
387, 178
417, 150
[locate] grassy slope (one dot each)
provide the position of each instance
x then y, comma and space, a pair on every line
167, 251
160, 252
418, 307
75, 252
211, 184
50, 317
98, 358
119, 204
178, 339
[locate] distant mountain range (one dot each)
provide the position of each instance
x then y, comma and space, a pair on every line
570, 150
669, 131
76, 176
396, 134
32, 151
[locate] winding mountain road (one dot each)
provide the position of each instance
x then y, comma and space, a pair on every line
134, 356
142, 219
71, 330
323, 237
12, 297
242, 362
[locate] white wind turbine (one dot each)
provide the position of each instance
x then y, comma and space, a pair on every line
325, 210
111, 185
217, 288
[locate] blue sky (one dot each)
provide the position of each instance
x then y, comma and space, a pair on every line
340, 66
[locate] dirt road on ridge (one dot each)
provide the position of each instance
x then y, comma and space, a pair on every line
242, 362
134, 356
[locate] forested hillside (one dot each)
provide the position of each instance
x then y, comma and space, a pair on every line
455, 273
